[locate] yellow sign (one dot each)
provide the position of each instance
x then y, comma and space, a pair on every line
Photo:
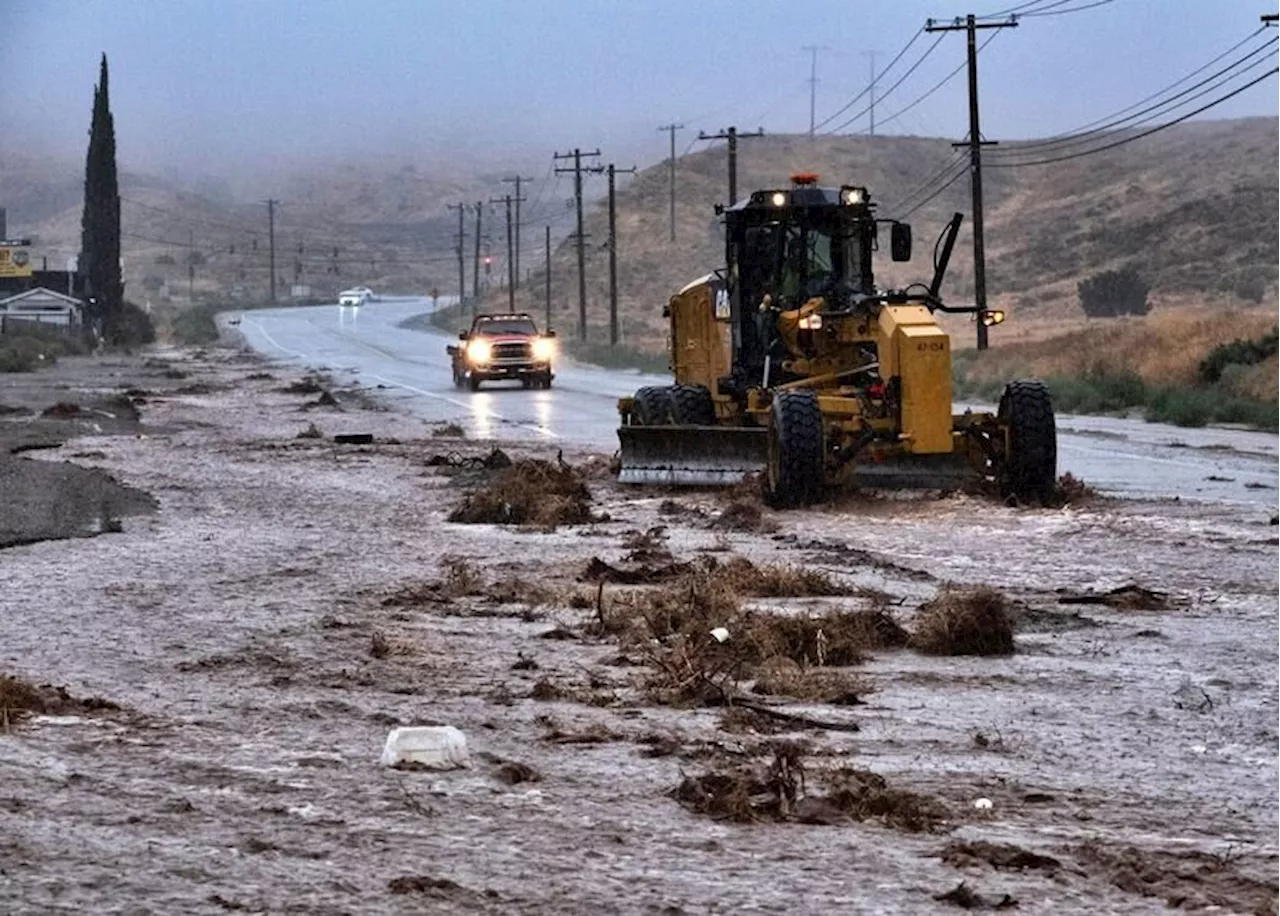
15, 262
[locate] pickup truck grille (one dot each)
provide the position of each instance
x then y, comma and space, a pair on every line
519, 350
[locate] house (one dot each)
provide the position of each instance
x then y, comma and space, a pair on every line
39, 306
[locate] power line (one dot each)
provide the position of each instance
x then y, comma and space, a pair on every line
938, 85
1145, 133
1047, 11
887, 92
853, 101
1113, 121
954, 178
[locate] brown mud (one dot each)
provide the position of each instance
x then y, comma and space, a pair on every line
291, 599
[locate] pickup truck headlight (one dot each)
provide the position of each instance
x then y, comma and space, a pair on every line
479, 351
544, 349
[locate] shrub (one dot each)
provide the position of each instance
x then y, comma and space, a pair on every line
1114, 292
1238, 352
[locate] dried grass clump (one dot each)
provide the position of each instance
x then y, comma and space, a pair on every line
531, 492
449, 431
819, 685
744, 515
1071, 491
778, 792
19, 698
775, 581
864, 795
748, 794
965, 621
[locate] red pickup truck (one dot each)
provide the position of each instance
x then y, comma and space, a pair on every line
503, 347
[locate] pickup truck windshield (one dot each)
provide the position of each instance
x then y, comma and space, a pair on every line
505, 326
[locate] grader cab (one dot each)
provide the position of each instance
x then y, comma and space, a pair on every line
792, 361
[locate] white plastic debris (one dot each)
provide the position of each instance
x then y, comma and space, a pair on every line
982, 804
720, 634
436, 747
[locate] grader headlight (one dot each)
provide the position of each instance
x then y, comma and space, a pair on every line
779, 198
811, 322
992, 317
852, 196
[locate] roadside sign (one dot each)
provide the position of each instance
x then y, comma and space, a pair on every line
14, 261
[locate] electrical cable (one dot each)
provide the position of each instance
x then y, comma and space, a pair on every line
946, 79
849, 104
1075, 9
1145, 133
887, 92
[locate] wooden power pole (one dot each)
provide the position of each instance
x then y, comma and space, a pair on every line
731, 134
518, 200
613, 255
970, 25
458, 247
271, 243
577, 170
547, 278
671, 129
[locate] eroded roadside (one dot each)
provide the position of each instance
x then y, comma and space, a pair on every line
291, 598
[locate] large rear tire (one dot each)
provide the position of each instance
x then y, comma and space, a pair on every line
652, 407
691, 406
795, 471
1030, 469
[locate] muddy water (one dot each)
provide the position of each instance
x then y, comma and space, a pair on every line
236, 626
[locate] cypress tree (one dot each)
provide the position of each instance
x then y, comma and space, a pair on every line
100, 222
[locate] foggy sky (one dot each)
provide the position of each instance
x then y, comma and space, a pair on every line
229, 86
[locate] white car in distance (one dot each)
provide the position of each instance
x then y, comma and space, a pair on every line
356, 296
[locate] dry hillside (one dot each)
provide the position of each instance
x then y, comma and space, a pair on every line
1193, 208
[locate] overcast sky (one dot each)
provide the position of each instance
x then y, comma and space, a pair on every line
230, 84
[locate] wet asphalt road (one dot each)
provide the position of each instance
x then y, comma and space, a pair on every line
1115, 456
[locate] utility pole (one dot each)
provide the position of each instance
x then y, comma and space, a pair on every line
813, 83
577, 170
517, 180
511, 262
191, 268
731, 134
671, 129
547, 245
475, 266
871, 89
457, 247
271, 243
975, 144
613, 255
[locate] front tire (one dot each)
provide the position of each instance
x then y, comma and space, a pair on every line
652, 407
795, 470
1030, 469
691, 405
473, 382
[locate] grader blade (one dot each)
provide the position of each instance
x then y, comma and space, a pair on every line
697, 456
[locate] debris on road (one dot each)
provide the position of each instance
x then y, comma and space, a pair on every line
428, 747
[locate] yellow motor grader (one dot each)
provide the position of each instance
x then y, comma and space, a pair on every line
792, 361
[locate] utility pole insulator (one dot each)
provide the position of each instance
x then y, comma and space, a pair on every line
970, 26
731, 134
